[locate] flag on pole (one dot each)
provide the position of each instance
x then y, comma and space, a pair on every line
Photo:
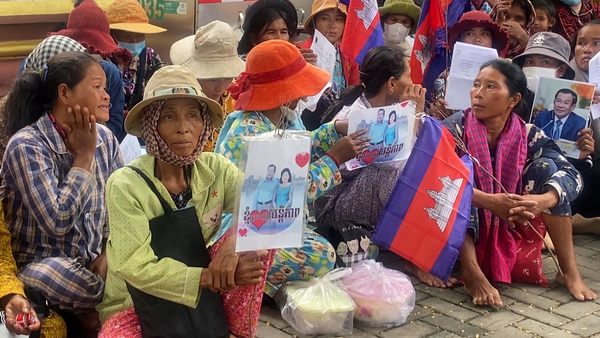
426, 216
363, 29
430, 50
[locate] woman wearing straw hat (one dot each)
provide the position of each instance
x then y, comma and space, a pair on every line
329, 18
129, 25
399, 19
277, 76
211, 55
160, 281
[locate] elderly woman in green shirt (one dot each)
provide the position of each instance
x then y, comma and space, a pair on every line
164, 208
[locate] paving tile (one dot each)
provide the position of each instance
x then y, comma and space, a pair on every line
593, 245
535, 289
453, 325
444, 334
559, 294
586, 326
273, 317
509, 331
592, 262
530, 298
542, 329
582, 251
449, 295
370, 329
419, 295
543, 316
576, 310
580, 240
266, 331
592, 274
414, 330
449, 309
496, 321
419, 312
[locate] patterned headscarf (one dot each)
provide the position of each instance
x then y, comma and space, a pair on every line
156, 146
51, 46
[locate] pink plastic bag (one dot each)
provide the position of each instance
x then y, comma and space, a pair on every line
383, 297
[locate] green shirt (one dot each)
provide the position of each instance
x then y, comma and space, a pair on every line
131, 204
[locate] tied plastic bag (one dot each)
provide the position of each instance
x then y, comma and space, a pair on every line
318, 306
383, 297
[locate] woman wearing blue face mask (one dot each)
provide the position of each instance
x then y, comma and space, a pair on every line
571, 15
129, 26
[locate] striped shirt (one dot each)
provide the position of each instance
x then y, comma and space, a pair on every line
53, 210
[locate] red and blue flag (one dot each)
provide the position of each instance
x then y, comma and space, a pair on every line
363, 29
430, 50
427, 214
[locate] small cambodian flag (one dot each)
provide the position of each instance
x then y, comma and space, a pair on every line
430, 50
427, 214
363, 29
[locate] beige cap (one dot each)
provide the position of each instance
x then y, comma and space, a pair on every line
171, 82
211, 53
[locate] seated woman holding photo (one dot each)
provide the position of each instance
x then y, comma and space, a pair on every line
531, 167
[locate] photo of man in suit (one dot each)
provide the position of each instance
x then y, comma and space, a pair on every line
561, 122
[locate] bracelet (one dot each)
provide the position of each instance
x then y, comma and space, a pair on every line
337, 162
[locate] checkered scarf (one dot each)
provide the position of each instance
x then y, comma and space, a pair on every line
156, 146
51, 46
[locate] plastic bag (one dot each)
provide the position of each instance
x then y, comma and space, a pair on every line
383, 297
318, 306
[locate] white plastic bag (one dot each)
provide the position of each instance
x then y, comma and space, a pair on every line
317, 306
383, 297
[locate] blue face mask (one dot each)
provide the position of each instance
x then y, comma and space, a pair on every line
570, 2
134, 48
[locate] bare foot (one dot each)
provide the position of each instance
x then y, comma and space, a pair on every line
90, 321
480, 289
427, 278
576, 287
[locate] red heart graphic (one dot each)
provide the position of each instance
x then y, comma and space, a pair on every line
404, 104
302, 159
259, 218
243, 232
369, 156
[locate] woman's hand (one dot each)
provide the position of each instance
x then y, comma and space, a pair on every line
309, 55
16, 305
596, 98
223, 266
543, 201
511, 208
415, 93
81, 136
99, 266
502, 11
516, 32
250, 269
348, 147
585, 143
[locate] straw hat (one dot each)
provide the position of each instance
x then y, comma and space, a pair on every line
551, 45
130, 16
405, 7
478, 19
319, 6
286, 6
276, 73
171, 82
210, 54
88, 25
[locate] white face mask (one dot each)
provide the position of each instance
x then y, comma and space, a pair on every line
395, 34
534, 74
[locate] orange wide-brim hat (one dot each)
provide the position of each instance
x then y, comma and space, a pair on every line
276, 74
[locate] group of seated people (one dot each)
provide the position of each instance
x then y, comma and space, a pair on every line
112, 248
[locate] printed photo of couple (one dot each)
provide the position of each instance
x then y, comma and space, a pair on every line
390, 129
274, 192
561, 109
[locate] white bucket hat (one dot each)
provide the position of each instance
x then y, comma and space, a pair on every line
171, 82
211, 53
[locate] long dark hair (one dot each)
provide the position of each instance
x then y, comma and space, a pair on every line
34, 93
378, 66
514, 79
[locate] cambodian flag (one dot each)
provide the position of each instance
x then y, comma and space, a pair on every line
363, 29
426, 216
430, 49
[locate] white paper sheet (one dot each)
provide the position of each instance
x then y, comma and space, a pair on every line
326, 55
466, 62
594, 73
130, 149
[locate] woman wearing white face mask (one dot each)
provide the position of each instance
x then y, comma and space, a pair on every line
547, 55
129, 26
399, 19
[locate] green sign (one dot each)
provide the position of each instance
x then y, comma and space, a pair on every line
156, 9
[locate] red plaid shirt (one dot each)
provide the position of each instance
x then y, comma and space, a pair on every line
568, 22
